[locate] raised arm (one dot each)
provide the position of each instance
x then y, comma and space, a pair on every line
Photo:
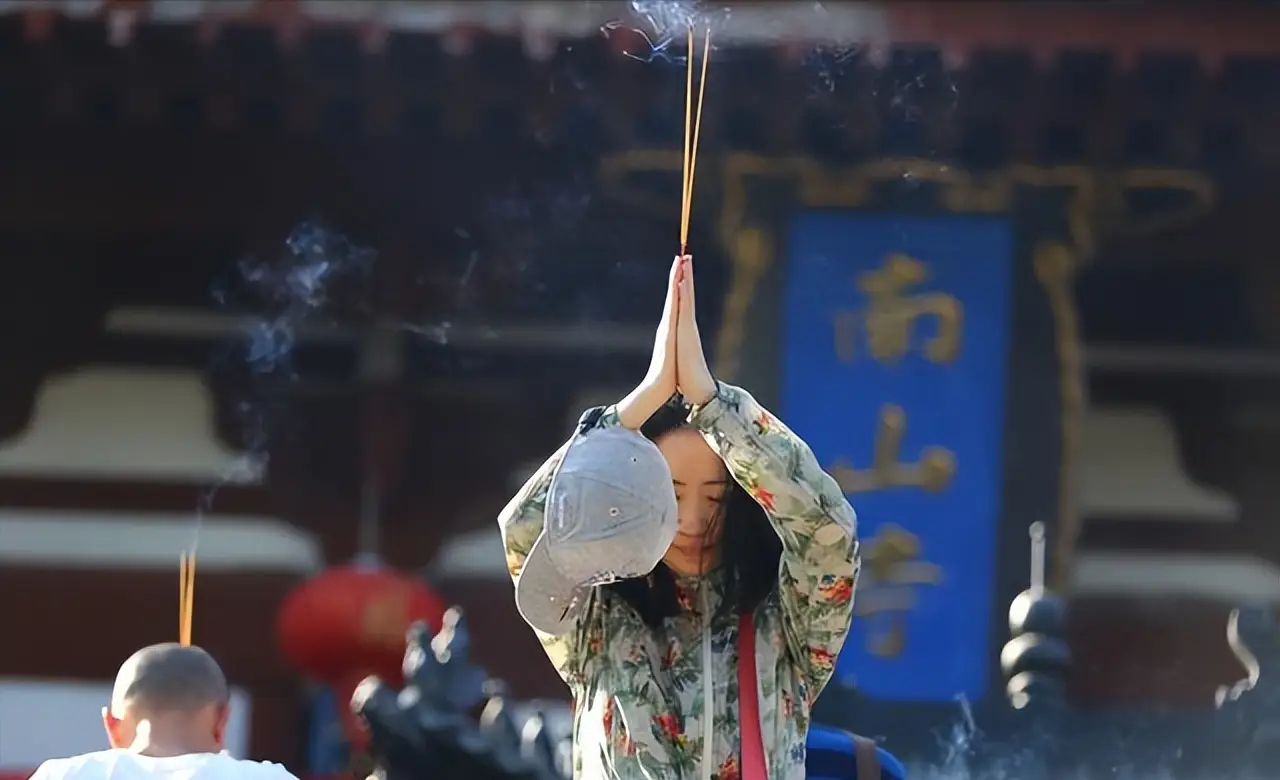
810, 515
522, 519
521, 522
805, 505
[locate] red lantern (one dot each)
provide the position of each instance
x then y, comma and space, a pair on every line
350, 622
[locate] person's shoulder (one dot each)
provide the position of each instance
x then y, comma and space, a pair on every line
52, 769
74, 766
263, 770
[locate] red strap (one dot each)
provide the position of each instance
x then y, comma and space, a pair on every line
753, 763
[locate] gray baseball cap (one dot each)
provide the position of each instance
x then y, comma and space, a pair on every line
610, 515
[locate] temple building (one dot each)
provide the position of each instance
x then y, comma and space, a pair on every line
998, 267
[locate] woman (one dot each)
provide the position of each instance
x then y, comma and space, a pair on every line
764, 534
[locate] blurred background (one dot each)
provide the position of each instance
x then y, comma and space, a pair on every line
314, 286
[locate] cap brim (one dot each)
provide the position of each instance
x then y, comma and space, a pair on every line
543, 596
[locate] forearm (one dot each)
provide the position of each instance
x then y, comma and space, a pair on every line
776, 467
639, 405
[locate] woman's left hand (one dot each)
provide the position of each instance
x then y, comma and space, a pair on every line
693, 378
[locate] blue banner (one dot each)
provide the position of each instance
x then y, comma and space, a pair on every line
896, 333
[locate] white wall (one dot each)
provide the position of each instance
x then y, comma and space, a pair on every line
43, 719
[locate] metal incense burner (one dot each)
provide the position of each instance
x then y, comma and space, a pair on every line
451, 721
1041, 735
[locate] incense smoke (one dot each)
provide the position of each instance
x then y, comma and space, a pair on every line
303, 285
665, 28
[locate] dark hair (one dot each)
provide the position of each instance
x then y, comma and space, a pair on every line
749, 547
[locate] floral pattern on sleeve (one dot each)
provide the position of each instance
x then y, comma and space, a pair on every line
811, 515
521, 523
641, 708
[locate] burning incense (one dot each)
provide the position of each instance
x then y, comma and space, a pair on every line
692, 129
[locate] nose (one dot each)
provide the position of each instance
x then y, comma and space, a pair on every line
693, 522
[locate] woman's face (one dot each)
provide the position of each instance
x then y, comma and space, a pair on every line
700, 481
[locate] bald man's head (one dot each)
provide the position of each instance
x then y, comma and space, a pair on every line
169, 679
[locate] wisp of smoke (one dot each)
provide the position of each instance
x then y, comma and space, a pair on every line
664, 25
281, 295
296, 290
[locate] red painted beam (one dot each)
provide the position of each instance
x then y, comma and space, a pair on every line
1212, 31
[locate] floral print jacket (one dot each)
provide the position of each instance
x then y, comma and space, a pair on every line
640, 696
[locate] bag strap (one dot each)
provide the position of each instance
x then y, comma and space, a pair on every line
754, 766
867, 758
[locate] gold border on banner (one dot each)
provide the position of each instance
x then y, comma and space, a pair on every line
1095, 196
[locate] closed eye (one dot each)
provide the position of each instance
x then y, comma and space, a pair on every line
716, 498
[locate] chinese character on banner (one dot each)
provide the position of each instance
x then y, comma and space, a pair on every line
892, 571
932, 472
888, 322
896, 332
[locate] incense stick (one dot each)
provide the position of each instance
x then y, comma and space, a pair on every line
697, 128
692, 130
186, 596
688, 138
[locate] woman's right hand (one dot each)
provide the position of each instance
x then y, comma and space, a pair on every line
659, 382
